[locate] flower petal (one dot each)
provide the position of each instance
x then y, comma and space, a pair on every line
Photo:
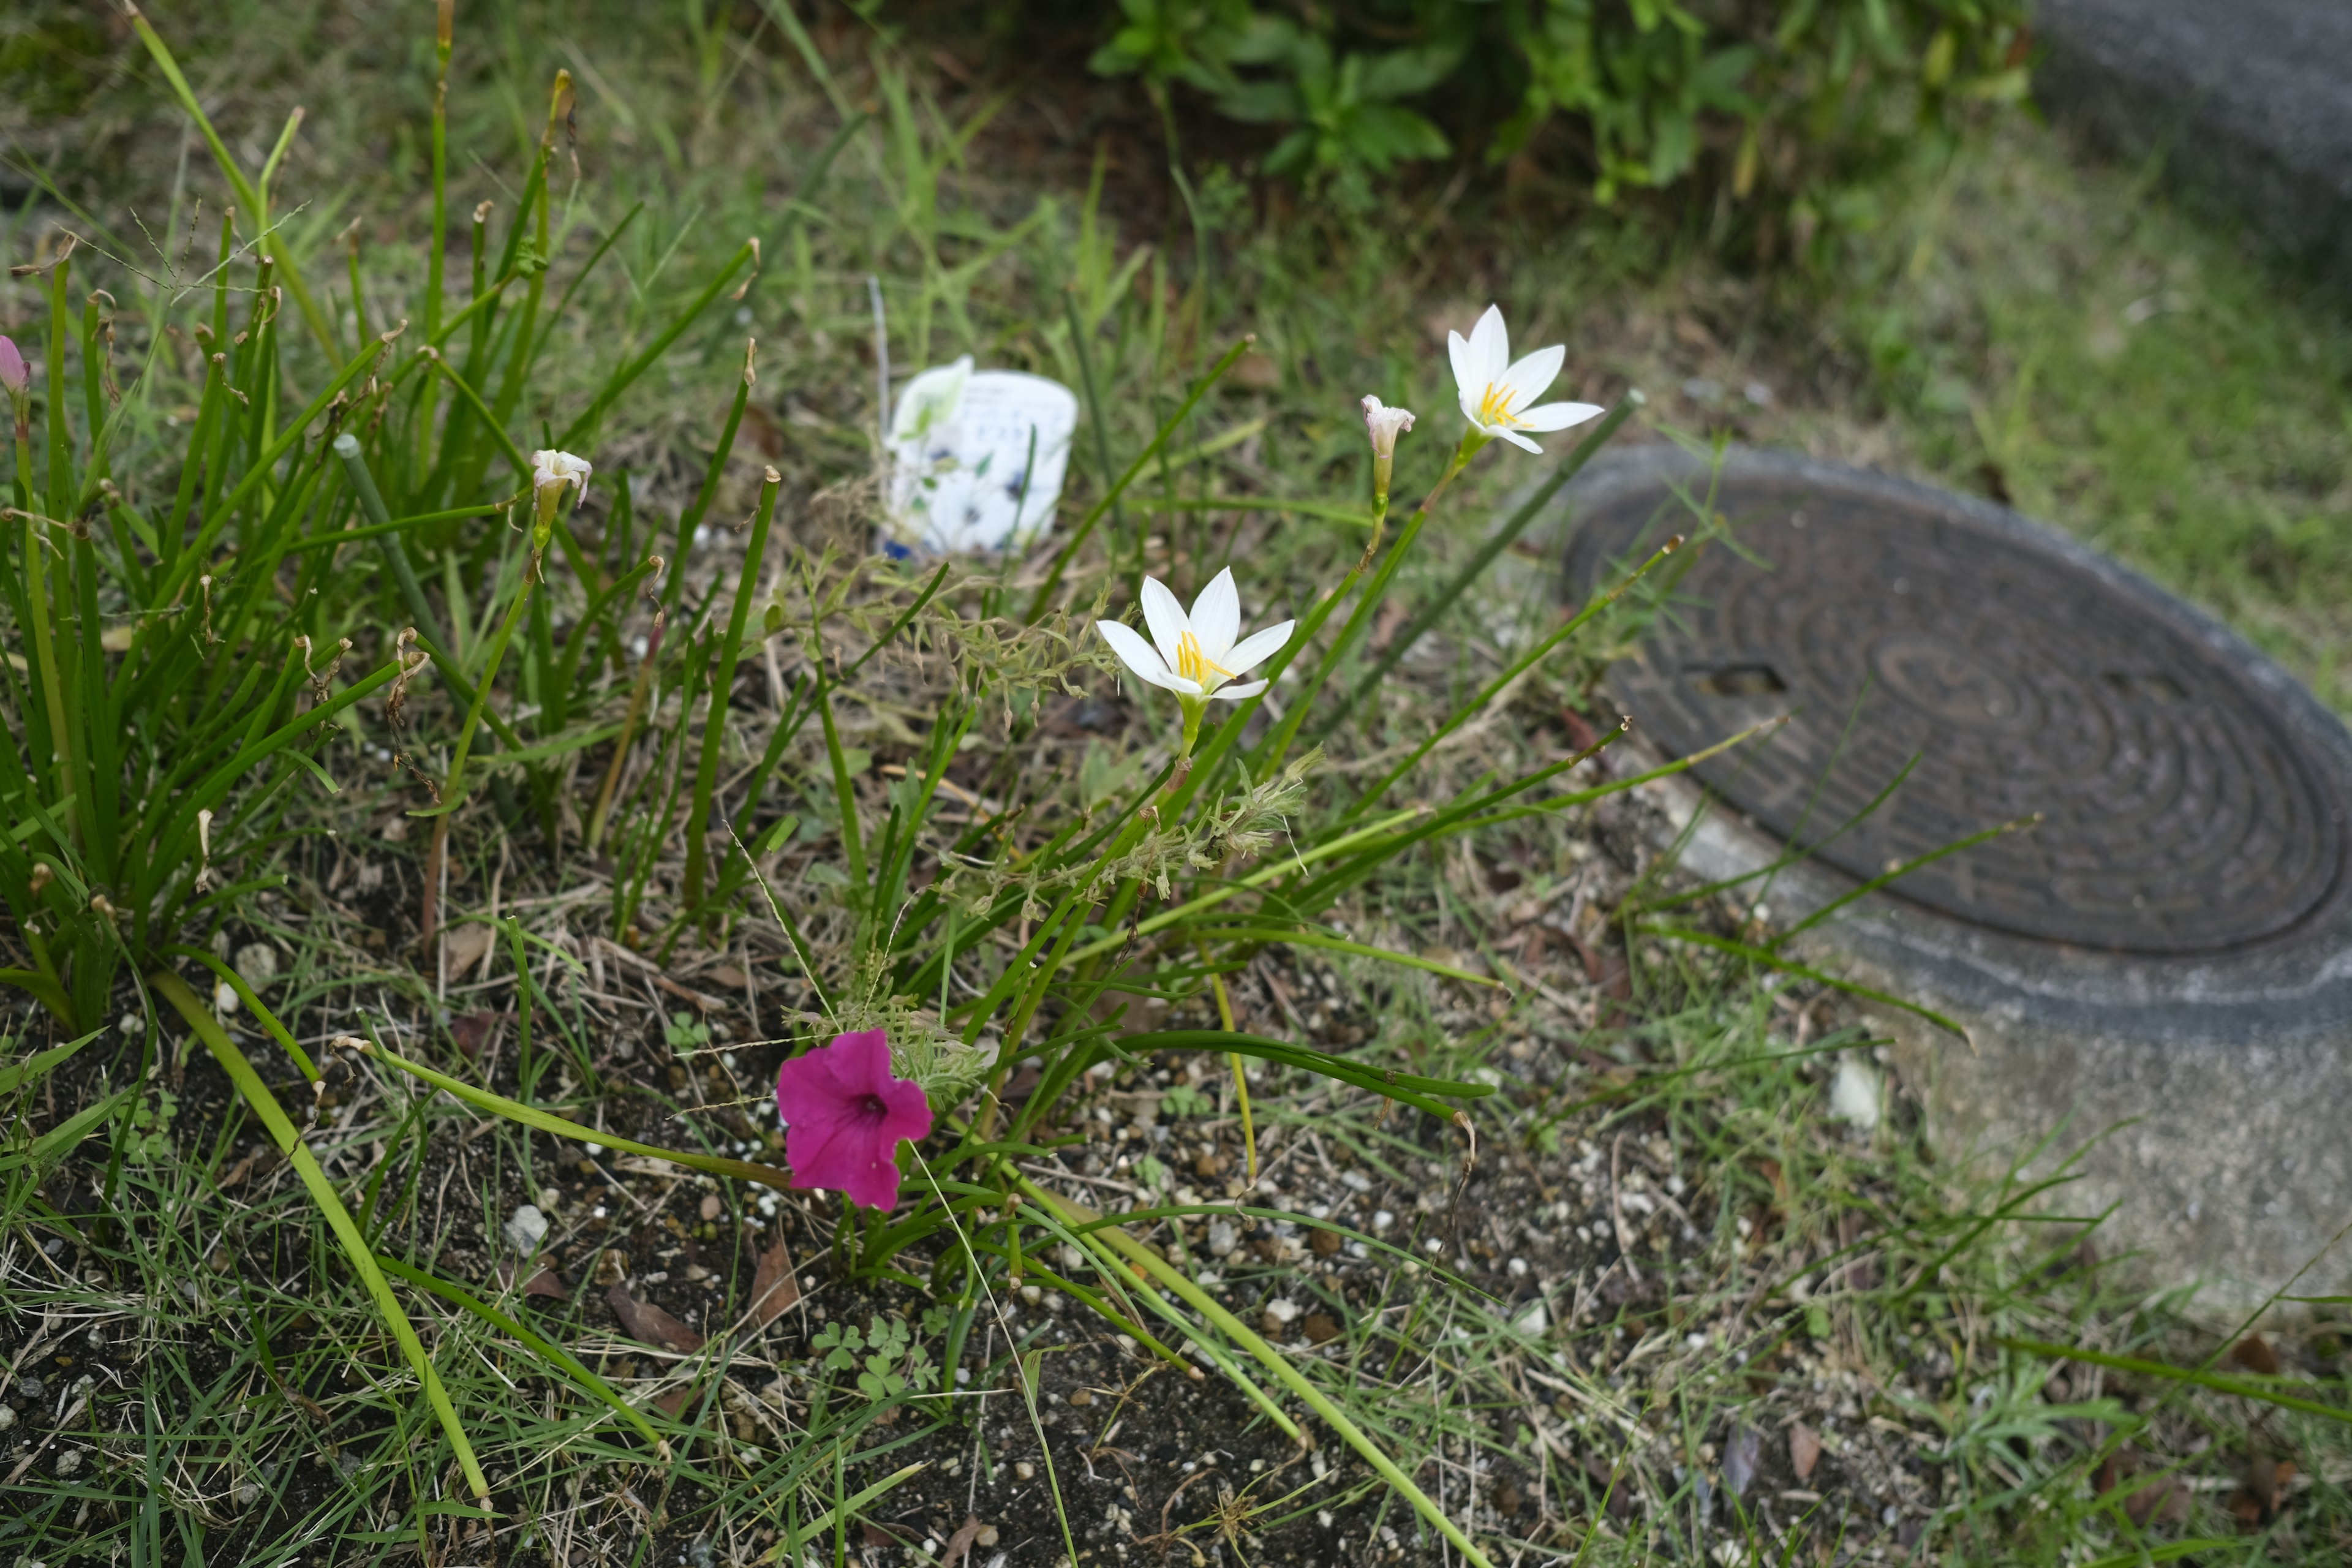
862, 1060
1557, 416
1141, 658
1490, 347
1465, 369
1516, 439
1240, 692
1531, 377
1165, 615
1217, 616
1257, 647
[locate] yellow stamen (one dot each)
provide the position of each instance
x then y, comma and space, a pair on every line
1192, 663
1494, 407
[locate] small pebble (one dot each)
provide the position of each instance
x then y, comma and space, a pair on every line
526, 1228
1022, 1470
710, 1206
1223, 1236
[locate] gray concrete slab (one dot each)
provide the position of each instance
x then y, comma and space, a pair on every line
2250, 102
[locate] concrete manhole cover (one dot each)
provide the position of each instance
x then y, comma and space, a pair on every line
2157, 981
2182, 811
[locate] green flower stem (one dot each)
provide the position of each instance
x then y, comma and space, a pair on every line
1277, 746
1273, 1360
289, 1143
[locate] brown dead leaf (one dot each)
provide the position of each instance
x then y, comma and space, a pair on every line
2257, 1501
959, 1545
2254, 1353
470, 1029
1320, 1328
468, 945
727, 974
543, 1281
2164, 1501
774, 1287
649, 1323
676, 1400
1804, 1450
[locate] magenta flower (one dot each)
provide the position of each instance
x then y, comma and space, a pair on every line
844, 1115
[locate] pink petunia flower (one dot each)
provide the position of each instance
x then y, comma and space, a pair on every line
844, 1115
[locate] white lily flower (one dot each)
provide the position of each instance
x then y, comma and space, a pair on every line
551, 471
1196, 656
1498, 395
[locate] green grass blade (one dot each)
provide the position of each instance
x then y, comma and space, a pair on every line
2243, 1387
322, 1192
546, 1121
553, 1354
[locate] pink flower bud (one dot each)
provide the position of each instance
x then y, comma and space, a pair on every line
13, 373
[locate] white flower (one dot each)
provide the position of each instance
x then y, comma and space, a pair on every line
553, 471
931, 401
1386, 425
1196, 654
1498, 398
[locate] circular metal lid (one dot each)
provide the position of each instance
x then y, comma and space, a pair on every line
2183, 811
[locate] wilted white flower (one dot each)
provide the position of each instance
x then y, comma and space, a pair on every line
1498, 395
551, 471
1196, 654
1386, 425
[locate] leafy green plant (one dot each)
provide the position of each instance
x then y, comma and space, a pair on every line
1788, 110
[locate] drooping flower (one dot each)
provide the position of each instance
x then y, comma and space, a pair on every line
1384, 425
1499, 394
551, 471
844, 1114
1197, 655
